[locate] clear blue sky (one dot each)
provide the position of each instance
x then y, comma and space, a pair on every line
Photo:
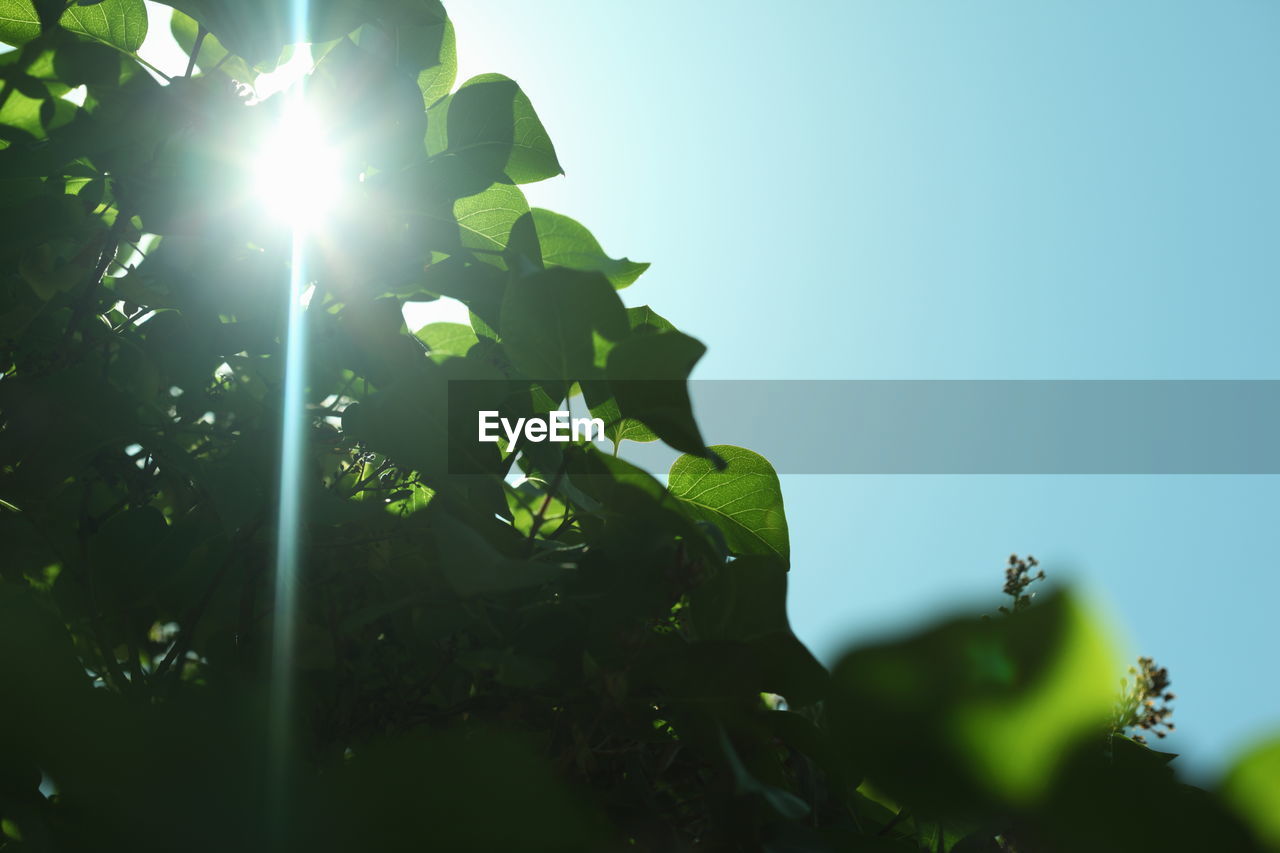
912, 189
934, 190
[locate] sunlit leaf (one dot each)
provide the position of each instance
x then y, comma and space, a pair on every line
485, 219
119, 23
644, 320
529, 503
447, 339
744, 499
648, 377
978, 713
19, 22
421, 41
415, 498
435, 81
551, 322
212, 54
566, 243
488, 131
1252, 786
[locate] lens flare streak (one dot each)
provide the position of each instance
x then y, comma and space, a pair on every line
293, 440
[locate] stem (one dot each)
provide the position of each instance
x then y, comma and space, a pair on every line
110, 246
568, 519
143, 62
375, 474
546, 501
201, 32
898, 818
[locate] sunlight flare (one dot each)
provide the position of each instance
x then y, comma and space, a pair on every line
297, 175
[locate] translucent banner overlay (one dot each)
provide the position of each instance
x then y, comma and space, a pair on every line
972, 427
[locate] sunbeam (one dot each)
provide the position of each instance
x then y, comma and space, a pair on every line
295, 178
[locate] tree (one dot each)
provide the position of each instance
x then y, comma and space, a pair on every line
490, 646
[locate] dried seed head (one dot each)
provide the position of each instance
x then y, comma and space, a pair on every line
1017, 577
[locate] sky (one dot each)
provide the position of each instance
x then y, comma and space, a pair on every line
912, 189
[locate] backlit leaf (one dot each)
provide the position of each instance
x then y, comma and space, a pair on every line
648, 377
744, 500
212, 53
119, 23
489, 131
19, 22
551, 322
447, 339
1253, 787
485, 219
978, 713
566, 243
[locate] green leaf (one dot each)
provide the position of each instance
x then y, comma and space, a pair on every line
648, 376
419, 40
19, 22
616, 482
551, 322
619, 429
746, 602
567, 243
746, 599
424, 420
488, 131
478, 286
632, 498
744, 500
415, 499
212, 53
447, 340
119, 23
527, 502
435, 81
977, 714
485, 219
644, 320
1252, 787
34, 116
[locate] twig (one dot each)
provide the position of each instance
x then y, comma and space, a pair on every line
109, 249
900, 816
546, 501
201, 32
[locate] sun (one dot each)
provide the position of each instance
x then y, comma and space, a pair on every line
298, 174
